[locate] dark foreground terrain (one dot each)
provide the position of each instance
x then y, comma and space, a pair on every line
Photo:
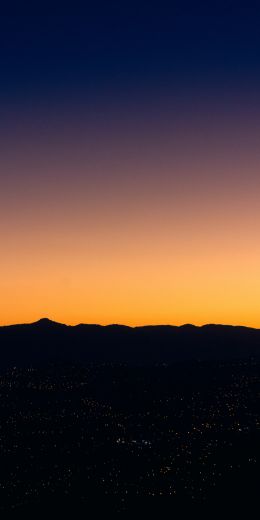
45, 340
121, 439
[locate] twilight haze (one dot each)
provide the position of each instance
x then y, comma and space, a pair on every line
129, 166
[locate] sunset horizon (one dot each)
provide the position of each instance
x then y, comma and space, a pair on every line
169, 235
45, 319
130, 260
129, 168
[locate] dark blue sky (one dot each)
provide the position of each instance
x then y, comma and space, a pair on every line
112, 48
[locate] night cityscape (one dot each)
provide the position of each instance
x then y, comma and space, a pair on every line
113, 437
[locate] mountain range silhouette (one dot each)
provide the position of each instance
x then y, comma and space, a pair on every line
48, 341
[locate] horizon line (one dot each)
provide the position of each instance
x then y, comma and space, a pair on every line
186, 324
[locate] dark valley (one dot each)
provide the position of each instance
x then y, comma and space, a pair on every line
120, 420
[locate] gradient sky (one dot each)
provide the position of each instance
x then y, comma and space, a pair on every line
130, 165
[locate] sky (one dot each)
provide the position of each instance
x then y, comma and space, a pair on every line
130, 165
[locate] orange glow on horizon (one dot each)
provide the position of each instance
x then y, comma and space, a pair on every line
128, 229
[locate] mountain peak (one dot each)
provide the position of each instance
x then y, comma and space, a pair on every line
46, 322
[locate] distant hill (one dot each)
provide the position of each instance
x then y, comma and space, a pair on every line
46, 340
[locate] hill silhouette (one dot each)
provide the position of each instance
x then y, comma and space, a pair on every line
46, 340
